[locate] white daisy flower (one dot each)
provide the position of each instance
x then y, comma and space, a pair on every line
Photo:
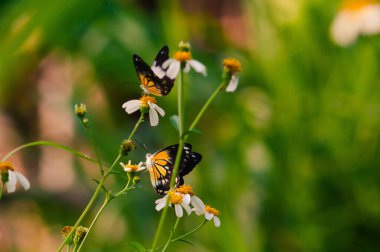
195, 201
178, 200
6, 169
133, 168
173, 65
145, 102
231, 68
212, 213
354, 18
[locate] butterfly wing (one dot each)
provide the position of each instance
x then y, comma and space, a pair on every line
163, 163
154, 80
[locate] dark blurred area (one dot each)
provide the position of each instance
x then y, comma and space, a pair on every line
291, 159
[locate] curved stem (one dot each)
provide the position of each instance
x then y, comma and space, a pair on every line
95, 146
106, 201
205, 106
141, 119
48, 143
189, 233
178, 157
171, 235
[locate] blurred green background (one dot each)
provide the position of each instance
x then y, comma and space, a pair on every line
291, 159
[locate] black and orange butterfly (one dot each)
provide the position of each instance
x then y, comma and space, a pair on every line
154, 80
160, 166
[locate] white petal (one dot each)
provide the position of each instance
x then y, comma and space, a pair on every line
216, 221
208, 216
173, 69
371, 19
187, 208
198, 205
163, 199
160, 203
158, 109
158, 71
345, 28
186, 199
12, 180
178, 211
198, 66
153, 116
187, 68
168, 62
233, 84
24, 182
132, 106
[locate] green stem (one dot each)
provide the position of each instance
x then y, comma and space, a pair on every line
100, 185
91, 202
95, 146
105, 203
178, 157
205, 106
48, 143
171, 235
141, 119
1, 189
189, 233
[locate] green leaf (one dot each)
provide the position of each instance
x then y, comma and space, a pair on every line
181, 240
137, 247
175, 121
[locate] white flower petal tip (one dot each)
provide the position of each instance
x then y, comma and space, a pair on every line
216, 221
24, 182
178, 211
198, 66
232, 85
153, 115
350, 22
131, 106
12, 180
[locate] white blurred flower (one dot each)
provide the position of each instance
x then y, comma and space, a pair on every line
212, 213
231, 68
183, 56
178, 200
355, 17
133, 168
6, 169
145, 102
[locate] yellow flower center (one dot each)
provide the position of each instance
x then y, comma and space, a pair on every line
232, 65
211, 210
182, 56
185, 189
175, 198
354, 5
66, 231
145, 99
132, 167
6, 165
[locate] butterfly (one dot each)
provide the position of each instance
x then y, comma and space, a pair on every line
154, 80
160, 166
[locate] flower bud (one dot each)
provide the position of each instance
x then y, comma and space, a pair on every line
80, 110
127, 146
136, 180
80, 233
65, 231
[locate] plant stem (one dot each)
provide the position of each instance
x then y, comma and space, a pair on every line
141, 119
48, 143
189, 233
106, 201
178, 157
205, 106
171, 235
95, 146
100, 185
91, 202
1, 189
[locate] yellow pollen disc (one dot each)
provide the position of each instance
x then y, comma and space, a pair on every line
6, 165
232, 65
145, 99
175, 198
185, 189
182, 56
132, 167
211, 210
354, 5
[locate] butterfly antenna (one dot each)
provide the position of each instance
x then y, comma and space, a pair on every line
143, 145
